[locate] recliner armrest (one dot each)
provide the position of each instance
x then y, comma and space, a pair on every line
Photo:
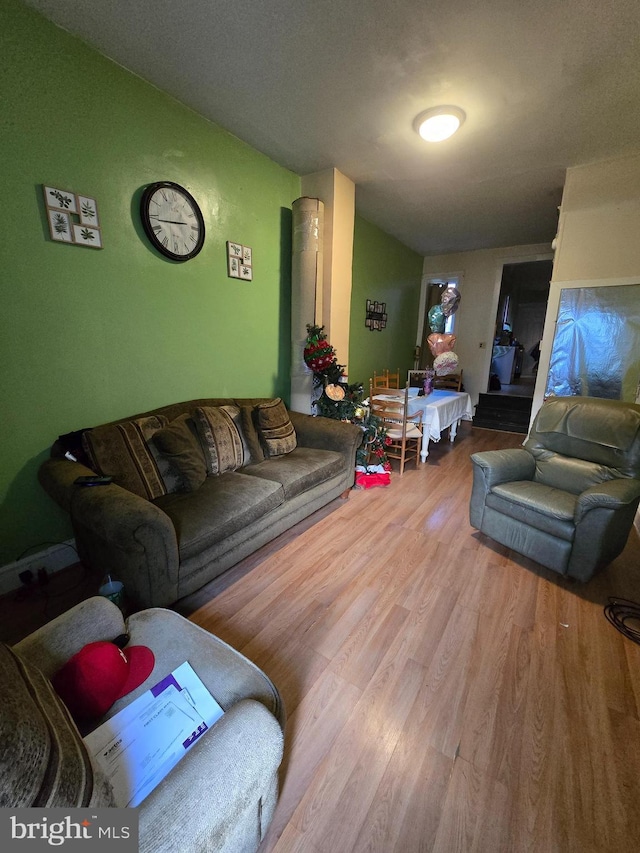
504, 466
51, 645
612, 494
218, 786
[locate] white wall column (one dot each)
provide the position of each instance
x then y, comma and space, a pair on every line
338, 194
306, 290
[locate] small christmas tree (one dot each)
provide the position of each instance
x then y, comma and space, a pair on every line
344, 402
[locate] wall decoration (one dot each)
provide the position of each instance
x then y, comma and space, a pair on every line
239, 261
88, 211
85, 235
376, 316
73, 218
60, 226
60, 199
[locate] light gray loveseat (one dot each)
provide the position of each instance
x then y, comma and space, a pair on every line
221, 795
197, 487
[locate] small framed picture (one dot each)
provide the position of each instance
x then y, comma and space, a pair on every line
234, 250
234, 266
84, 235
88, 211
60, 226
246, 272
60, 199
246, 255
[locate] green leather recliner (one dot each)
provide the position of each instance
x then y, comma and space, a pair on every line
566, 499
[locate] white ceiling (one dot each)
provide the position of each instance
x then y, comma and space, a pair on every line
546, 84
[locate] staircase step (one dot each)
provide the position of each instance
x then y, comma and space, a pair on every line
501, 426
503, 412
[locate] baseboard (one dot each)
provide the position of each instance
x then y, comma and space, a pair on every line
53, 559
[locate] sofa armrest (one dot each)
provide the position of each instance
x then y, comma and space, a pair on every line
50, 646
221, 791
119, 532
57, 477
327, 434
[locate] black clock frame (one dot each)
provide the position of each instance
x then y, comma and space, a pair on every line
148, 228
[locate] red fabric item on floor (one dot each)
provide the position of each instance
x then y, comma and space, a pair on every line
368, 481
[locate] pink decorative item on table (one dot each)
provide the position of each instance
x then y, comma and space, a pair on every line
428, 382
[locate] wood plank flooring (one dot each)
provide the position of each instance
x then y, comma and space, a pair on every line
443, 693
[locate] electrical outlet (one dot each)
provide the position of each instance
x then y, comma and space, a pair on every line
482, 344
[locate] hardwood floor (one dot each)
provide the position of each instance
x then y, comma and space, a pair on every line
443, 693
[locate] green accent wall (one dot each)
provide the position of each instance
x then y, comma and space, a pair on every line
384, 270
93, 335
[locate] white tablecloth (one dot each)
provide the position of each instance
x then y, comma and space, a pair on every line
441, 410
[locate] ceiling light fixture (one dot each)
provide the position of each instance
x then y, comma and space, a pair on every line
439, 123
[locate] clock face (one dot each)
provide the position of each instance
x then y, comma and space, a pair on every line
172, 220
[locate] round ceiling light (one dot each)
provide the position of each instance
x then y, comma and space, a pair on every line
439, 123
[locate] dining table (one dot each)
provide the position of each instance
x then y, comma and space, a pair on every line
441, 410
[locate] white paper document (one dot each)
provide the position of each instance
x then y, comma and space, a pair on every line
138, 746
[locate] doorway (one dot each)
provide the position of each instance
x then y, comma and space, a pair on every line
522, 305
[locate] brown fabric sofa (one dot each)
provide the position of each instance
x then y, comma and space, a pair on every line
197, 486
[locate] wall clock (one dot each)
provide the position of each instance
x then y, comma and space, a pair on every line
172, 220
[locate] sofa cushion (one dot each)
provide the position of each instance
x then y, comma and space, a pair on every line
178, 441
275, 428
219, 508
235, 414
250, 430
43, 760
125, 452
299, 470
220, 439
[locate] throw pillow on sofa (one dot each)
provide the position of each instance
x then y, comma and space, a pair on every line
179, 442
275, 428
220, 439
125, 452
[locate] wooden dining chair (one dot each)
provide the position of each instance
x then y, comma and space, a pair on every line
402, 429
380, 380
393, 379
450, 381
415, 378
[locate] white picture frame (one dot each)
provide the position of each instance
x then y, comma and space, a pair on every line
60, 225
85, 235
233, 268
246, 272
88, 211
57, 199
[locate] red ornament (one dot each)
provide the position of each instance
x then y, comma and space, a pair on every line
318, 355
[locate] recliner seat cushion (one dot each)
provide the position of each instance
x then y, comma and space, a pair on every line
544, 507
219, 508
299, 470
